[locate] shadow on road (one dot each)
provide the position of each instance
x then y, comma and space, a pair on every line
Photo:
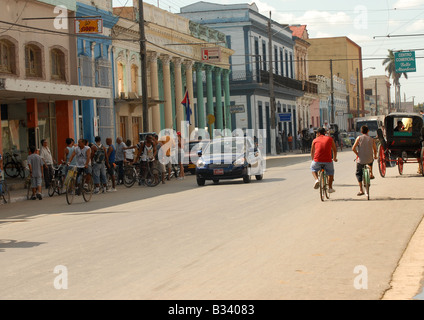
364, 198
10, 244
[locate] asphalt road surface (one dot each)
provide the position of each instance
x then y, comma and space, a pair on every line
270, 239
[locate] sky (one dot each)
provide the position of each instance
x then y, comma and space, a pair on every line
368, 23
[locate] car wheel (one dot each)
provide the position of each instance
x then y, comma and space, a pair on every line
216, 181
247, 178
259, 177
200, 181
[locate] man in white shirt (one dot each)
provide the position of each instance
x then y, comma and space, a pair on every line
46, 155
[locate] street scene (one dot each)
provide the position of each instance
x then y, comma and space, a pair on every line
205, 151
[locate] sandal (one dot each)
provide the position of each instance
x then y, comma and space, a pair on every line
360, 194
372, 177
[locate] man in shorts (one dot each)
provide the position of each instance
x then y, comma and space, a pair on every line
323, 152
35, 164
364, 148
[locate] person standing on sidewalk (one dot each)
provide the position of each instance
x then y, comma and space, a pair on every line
120, 158
99, 160
46, 155
111, 152
364, 148
35, 164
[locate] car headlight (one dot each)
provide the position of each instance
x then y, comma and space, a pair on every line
200, 163
239, 162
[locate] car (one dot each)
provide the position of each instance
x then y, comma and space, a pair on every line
229, 158
191, 158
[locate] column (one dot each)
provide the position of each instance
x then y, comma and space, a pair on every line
153, 64
179, 112
32, 122
209, 102
189, 83
200, 100
226, 82
167, 91
65, 124
218, 96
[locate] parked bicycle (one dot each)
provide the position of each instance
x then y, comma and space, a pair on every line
57, 183
175, 172
14, 166
77, 185
135, 172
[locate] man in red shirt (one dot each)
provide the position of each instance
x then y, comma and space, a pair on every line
323, 152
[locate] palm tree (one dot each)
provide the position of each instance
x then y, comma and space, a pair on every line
389, 62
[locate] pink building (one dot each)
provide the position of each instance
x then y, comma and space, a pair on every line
314, 113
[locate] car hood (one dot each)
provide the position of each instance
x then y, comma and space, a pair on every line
221, 158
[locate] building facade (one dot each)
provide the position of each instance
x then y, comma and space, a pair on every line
342, 57
38, 79
175, 65
247, 33
379, 88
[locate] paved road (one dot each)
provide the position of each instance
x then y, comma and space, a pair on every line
270, 239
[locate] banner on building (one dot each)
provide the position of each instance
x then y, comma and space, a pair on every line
88, 26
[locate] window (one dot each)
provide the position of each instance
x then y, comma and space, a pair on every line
120, 78
33, 62
6, 56
134, 78
57, 64
103, 72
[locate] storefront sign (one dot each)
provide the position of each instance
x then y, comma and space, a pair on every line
237, 109
90, 26
405, 62
212, 54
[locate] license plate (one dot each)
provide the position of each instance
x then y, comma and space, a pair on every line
191, 166
218, 171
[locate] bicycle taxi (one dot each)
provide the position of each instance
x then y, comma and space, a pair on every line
400, 142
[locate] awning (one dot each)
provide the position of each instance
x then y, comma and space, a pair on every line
45, 91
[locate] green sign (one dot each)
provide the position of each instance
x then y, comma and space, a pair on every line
405, 62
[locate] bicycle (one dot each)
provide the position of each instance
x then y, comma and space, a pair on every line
77, 185
323, 184
14, 166
134, 172
4, 192
175, 172
56, 184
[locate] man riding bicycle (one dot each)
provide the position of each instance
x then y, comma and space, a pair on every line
364, 147
323, 152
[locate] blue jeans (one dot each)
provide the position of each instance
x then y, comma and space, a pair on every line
99, 173
120, 165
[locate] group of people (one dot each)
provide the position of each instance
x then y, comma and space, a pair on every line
324, 152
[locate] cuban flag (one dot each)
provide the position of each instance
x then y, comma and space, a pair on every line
186, 103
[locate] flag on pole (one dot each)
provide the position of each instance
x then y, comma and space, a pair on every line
186, 103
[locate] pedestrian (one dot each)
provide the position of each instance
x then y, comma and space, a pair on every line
129, 152
46, 155
284, 141
36, 165
111, 152
180, 155
290, 141
364, 148
82, 153
148, 153
159, 158
67, 153
168, 145
120, 158
99, 160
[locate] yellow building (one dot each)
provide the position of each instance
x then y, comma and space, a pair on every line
345, 56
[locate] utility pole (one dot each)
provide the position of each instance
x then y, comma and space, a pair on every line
332, 92
376, 98
271, 89
143, 56
357, 91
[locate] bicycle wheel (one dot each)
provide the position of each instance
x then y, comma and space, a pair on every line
87, 189
153, 177
5, 193
70, 190
321, 185
367, 182
52, 188
130, 176
11, 169
400, 165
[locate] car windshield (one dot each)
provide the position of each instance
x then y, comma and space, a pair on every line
372, 125
226, 145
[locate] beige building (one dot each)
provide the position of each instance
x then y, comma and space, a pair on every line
342, 57
378, 86
175, 65
301, 57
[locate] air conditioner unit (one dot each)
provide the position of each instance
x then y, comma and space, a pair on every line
132, 95
123, 95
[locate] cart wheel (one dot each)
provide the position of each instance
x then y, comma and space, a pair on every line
382, 162
400, 165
